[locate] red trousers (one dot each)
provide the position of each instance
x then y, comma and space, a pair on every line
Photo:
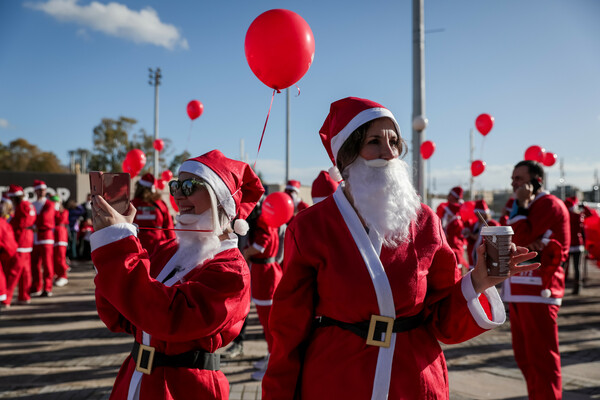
42, 268
535, 344
60, 261
19, 273
264, 279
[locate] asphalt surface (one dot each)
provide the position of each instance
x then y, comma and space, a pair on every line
57, 348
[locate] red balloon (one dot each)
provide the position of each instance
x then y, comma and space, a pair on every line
427, 149
279, 47
484, 123
160, 184
125, 166
195, 109
159, 144
535, 153
277, 209
549, 159
477, 167
136, 159
167, 175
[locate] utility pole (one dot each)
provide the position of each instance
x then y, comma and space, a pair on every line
562, 180
287, 135
471, 150
154, 80
418, 116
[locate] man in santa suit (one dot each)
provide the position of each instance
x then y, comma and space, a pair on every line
42, 263
22, 224
8, 253
504, 216
188, 299
576, 218
472, 232
293, 189
370, 283
151, 213
323, 186
455, 196
61, 241
453, 229
540, 221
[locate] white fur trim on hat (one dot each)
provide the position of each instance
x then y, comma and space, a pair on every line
222, 193
292, 187
361, 118
146, 183
42, 186
15, 194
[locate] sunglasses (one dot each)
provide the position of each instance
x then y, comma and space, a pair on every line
188, 186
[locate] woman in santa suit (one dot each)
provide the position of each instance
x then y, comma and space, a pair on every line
192, 296
370, 283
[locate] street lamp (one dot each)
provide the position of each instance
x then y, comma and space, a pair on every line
154, 80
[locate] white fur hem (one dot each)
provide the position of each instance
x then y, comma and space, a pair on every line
111, 234
477, 311
262, 302
258, 247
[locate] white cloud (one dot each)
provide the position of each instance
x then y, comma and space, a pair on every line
117, 20
4, 123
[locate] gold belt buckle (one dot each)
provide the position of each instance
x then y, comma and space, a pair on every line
138, 362
388, 331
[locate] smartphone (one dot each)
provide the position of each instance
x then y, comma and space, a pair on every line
115, 188
536, 185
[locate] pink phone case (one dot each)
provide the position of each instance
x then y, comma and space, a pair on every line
114, 187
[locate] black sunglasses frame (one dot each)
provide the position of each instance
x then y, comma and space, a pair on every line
187, 186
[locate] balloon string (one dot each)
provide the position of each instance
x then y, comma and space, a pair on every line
264, 128
176, 229
189, 135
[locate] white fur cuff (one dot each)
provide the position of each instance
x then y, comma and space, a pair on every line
111, 234
475, 307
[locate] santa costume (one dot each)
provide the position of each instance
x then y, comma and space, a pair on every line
453, 229
471, 233
293, 189
354, 319
577, 247
61, 242
534, 297
22, 224
179, 306
8, 253
152, 214
323, 186
42, 263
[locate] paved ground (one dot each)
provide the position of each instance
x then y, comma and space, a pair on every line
57, 348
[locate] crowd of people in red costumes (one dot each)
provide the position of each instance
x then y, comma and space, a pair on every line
200, 270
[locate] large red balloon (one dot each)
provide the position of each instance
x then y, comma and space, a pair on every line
159, 144
279, 47
160, 184
277, 209
484, 123
167, 175
477, 167
136, 159
549, 159
125, 166
427, 149
535, 153
195, 109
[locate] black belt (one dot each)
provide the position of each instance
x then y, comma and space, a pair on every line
373, 330
263, 260
146, 358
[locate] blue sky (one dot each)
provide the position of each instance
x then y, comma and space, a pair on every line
534, 65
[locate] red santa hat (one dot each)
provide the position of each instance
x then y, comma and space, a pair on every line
481, 207
14, 191
236, 187
38, 184
345, 116
293, 186
509, 204
571, 202
457, 192
322, 187
148, 181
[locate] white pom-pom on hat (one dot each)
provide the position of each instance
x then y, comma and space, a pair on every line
546, 293
335, 174
241, 227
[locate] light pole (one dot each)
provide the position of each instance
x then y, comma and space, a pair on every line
287, 135
418, 48
154, 80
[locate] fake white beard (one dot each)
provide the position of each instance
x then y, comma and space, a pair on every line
384, 197
194, 247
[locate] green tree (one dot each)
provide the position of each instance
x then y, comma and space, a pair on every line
178, 160
145, 142
111, 144
20, 155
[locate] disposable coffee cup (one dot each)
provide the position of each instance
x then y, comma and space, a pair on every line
497, 249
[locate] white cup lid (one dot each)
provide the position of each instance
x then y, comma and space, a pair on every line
496, 230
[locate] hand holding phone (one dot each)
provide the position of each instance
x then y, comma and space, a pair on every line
115, 188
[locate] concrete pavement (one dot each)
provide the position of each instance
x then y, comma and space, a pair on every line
57, 348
